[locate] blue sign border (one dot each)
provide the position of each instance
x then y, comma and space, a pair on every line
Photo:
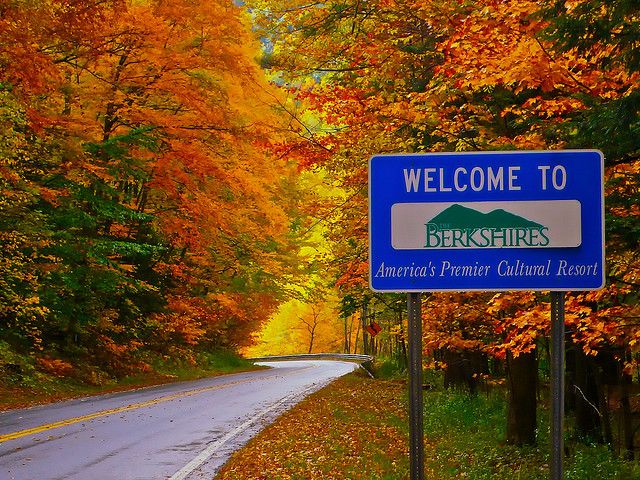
585, 174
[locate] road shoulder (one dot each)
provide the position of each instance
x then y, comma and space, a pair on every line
353, 428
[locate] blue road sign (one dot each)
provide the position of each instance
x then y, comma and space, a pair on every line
486, 221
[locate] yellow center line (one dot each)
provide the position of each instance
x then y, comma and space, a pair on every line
70, 421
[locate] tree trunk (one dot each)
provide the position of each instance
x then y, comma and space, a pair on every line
603, 403
585, 391
627, 419
355, 340
311, 343
346, 336
453, 371
365, 337
522, 378
402, 346
351, 343
462, 369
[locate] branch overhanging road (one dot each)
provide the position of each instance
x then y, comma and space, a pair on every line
178, 431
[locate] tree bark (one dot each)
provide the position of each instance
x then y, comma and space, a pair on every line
585, 389
603, 402
522, 378
365, 337
462, 369
346, 336
355, 340
311, 343
628, 432
402, 346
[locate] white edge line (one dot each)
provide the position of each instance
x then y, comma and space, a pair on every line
208, 452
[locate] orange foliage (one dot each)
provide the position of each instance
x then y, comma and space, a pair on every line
54, 366
302, 444
412, 76
147, 134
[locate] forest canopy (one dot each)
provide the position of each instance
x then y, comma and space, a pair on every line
412, 76
156, 158
145, 210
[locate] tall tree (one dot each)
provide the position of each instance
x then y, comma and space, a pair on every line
153, 200
413, 76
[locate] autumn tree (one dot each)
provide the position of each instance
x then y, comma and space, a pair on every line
144, 198
414, 76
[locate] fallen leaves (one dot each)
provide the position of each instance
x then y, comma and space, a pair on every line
355, 429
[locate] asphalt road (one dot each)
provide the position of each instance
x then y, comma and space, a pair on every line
179, 431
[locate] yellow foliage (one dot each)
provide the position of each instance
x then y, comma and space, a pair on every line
286, 332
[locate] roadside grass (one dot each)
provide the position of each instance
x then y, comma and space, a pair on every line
357, 428
466, 440
33, 387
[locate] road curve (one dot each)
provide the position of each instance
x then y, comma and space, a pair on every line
179, 431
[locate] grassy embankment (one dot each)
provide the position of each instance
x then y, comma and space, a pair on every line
26, 385
357, 428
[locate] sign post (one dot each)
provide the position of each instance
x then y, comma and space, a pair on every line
486, 221
416, 430
557, 384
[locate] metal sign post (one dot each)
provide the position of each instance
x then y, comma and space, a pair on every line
416, 431
557, 384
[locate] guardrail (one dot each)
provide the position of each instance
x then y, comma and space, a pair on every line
353, 357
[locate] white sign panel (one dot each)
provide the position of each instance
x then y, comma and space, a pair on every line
538, 224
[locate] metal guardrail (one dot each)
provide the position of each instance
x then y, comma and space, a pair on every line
316, 356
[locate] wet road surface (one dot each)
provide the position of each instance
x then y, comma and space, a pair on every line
179, 431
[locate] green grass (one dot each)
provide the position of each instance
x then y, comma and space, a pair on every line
216, 362
466, 437
388, 368
31, 386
